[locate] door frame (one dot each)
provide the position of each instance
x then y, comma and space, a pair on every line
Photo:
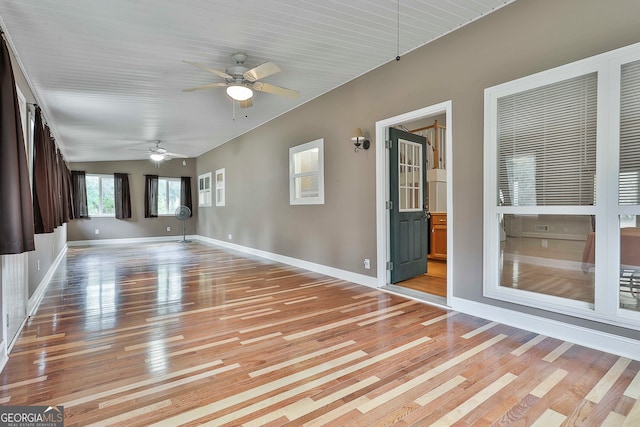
382, 188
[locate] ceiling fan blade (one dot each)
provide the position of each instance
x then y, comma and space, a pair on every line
182, 156
211, 70
276, 90
246, 104
212, 85
261, 71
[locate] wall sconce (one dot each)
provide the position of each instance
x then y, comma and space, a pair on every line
359, 141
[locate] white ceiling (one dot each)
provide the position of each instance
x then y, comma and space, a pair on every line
109, 75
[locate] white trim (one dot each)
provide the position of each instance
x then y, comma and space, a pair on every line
75, 243
608, 343
349, 276
4, 354
32, 306
35, 299
382, 188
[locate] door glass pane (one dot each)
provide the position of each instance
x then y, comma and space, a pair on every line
548, 254
410, 179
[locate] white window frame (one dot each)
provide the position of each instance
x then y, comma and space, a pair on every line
168, 211
606, 306
220, 187
101, 214
319, 200
204, 190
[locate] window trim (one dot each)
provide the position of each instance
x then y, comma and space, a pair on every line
204, 194
606, 306
220, 187
319, 200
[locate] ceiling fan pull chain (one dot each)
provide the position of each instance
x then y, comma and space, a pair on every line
398, 32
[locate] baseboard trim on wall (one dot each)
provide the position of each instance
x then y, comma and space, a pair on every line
4, 354
129, 240
349, 276
35, 299
586, 337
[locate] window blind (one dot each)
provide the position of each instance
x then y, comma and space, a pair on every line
547, 144
629, 176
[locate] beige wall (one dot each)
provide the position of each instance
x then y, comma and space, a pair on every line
137, 226
518, 40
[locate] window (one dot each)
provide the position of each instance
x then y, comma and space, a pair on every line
168, 195
562, 155
100, 195
220, 188
306, 173
204, 189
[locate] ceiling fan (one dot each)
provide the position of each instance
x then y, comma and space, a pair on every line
241, 81
158, 153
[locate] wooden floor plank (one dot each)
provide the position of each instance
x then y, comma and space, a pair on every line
170, 333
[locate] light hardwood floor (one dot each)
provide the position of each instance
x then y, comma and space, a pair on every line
172, 334
433, 282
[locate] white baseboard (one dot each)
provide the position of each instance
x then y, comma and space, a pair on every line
35, 299
4, 354
129, 240
602, 341
349, 276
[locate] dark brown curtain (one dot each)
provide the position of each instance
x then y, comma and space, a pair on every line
79, 194
16, 215
65, 189
42, 178
150, 196
122, 195
185, 192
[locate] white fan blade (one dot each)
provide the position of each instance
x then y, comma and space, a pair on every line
246, 104
182, 156
276, 90
212, 85
209, 69
261, 71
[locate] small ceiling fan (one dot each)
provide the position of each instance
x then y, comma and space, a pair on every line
241, 81
158, 153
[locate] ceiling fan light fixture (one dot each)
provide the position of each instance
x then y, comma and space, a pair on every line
239, 93
156, 157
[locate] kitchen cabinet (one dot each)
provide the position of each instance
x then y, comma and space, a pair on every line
438, 236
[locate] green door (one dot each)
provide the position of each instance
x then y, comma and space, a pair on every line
409, 224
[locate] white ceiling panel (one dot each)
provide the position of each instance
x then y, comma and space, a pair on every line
109, 75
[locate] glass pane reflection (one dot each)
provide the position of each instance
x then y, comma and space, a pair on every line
546, 254
629, 262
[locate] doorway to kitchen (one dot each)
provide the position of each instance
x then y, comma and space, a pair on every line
413, 201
